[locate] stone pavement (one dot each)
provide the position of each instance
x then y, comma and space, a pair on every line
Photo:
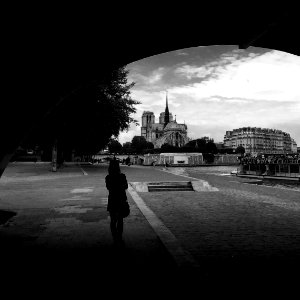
61, 226
230, 232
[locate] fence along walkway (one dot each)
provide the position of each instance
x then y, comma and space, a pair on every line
272, 169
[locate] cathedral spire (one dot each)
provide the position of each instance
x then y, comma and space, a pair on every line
167, 114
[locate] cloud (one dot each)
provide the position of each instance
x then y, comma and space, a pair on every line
190, 72
241, 101
181, 53
213, 99
148, 79
216, 67
127, 136
156, 75
254, 80
272, 76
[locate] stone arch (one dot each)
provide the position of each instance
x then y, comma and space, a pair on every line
75, 58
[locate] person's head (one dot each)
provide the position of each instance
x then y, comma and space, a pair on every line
114, 167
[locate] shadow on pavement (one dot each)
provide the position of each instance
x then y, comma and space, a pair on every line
103, 263
5, 215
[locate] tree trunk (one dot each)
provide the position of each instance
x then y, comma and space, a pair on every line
54, 157
4, 160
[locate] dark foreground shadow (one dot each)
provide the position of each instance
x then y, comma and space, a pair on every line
114, 265
5, 215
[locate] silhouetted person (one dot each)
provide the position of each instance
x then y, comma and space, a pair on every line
127, 161
116, 183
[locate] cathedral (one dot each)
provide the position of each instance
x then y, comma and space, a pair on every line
166, 131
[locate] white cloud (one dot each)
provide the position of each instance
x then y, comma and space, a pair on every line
156, 75
190, 72
213, 99
181, 53
149, 79
126, 136
273, 76
242, 101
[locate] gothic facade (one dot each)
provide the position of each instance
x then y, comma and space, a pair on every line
167, 131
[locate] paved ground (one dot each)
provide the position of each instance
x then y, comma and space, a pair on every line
231, 232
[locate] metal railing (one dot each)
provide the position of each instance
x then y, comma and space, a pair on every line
272, 169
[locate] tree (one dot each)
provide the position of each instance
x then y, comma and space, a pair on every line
149, 145
211, 147
226, 151
197, 145
86, 119
139, 143
149, 148
126, 149
126, 145
114, 146
208, 157
240, 150
165, 148
202, 145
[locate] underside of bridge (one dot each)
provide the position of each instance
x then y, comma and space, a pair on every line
53, 52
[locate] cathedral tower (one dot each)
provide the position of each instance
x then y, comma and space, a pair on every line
167, 114
148, 118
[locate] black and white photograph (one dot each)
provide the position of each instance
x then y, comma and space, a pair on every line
155, 148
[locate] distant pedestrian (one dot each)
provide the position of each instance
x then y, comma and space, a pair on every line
127, 161
116, 183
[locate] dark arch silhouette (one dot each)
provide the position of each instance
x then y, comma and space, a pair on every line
50, 56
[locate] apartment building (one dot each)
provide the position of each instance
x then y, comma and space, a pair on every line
258, 140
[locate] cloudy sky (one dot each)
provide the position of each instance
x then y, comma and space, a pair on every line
217, 88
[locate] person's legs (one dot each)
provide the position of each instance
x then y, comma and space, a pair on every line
113, 224
120, 226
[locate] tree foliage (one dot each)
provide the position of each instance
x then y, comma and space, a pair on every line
165, 148
139, 143
240, 150
202, 146
114, 146
211, 147
86, 119
226, 151
126, 146
149, 147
